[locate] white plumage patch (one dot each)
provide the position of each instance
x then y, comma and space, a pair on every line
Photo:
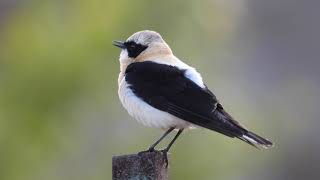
194, 76
146, 114
190, 73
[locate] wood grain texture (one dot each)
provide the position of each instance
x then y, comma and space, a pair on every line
145, 166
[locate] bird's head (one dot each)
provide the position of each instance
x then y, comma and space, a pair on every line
142, 46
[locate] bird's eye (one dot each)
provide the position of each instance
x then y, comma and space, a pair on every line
134, 49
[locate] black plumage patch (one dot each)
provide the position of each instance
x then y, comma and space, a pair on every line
134, 49
166, 88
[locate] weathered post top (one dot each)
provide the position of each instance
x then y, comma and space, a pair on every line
144, 166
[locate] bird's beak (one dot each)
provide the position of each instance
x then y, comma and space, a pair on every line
119, 44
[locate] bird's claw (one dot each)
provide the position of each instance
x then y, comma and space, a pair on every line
164, 151
165, 156
146, 151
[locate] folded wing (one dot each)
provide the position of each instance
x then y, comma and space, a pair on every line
166, 88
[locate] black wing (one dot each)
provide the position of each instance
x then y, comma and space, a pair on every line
166, 88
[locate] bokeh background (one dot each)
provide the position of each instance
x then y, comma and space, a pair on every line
60, 117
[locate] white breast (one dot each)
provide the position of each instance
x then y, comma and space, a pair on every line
146, 114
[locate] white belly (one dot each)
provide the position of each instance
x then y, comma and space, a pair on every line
146, 114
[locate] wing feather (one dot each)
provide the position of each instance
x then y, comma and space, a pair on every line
168, 89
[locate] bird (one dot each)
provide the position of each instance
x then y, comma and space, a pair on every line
161, 91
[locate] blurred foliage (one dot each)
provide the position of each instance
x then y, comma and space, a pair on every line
60, 117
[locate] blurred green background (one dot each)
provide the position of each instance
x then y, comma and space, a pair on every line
60, 117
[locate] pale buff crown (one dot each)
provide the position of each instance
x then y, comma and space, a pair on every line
146, 37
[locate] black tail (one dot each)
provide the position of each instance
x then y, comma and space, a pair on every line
233, 128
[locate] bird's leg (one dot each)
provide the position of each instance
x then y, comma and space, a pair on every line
151, 148
165, 151
160, 139
173, 140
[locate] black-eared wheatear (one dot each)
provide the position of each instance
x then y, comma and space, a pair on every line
161, 91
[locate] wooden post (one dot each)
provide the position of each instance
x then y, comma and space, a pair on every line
144, 166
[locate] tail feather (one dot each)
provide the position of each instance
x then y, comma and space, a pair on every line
256, 140
232, 128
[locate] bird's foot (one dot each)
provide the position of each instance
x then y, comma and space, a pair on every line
165, 156
151, 149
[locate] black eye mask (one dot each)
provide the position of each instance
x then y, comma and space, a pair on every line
134, 49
